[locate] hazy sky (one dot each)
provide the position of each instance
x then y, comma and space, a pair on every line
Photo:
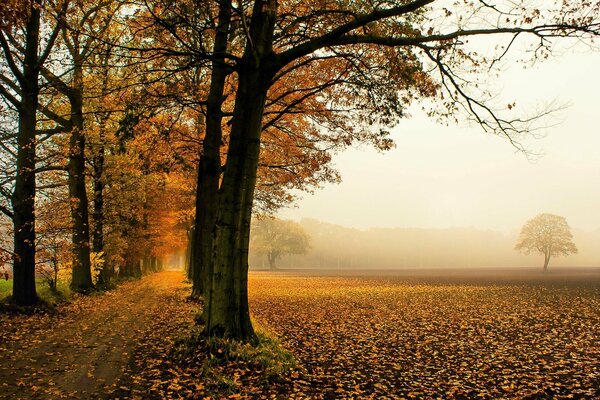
443, 176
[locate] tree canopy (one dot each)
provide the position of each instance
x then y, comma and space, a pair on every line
546, 234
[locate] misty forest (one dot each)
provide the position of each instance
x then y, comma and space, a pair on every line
151, 152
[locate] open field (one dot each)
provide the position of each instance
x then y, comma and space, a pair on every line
415, 335
557, 276
436, 334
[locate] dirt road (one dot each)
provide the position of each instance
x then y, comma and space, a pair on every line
83, 351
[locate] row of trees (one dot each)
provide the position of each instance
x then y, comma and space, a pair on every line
103, 127
253, 95
74, 140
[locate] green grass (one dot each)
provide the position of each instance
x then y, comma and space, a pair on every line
44, 292
5, 288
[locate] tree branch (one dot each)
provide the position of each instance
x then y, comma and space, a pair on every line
359, 21
10, 60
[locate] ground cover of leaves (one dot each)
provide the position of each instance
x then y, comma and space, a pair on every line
82, 349
388, 338
384, 338
352, 338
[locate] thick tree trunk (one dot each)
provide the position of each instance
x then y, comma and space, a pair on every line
99, 154
126, 270
137, 269
145, 264
23, 198
227, 311
227, 305
209, 169
82, 271
189, 254
23, 202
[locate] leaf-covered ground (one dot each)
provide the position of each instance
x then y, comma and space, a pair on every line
352, 337
83, 349
372, 338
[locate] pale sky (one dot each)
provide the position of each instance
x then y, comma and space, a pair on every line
457, 176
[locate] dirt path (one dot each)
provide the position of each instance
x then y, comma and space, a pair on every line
83, 351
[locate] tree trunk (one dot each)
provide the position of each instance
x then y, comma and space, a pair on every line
209, 169
126, 271
98, 177
546, 261
82, 272
137, 269
228, 315
55, 265
23, 197
189, 254
272, 257
227, 303
98, 214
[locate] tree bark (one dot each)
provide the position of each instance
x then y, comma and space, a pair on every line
189, 253
82, 272
126, 270
209, 168
227, 305
227, 316
98, 214
98, 186
107, 271
23, 197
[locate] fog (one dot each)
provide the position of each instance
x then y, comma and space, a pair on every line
453, 196
338, 247
455, 175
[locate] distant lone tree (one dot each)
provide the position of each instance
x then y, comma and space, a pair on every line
547, 234
275, 237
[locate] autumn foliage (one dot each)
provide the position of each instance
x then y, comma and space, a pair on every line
133, 132
350, 337
546, 234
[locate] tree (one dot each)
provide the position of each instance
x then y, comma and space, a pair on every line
275, 237
547, 234
402, 43
83, 23
359, 65
19, 86
66, 125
